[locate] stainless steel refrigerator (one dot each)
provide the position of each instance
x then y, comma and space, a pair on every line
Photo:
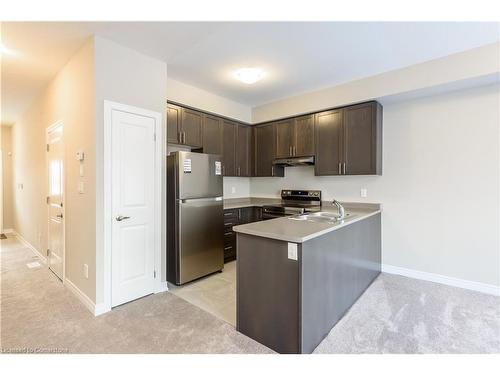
195, 216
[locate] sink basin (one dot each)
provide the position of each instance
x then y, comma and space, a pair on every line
320, 217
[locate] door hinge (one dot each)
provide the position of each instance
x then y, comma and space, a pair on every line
48, 147
154, 137
48, 199
48, 251
154, 274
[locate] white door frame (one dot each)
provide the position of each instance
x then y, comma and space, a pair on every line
47, 131
109, 106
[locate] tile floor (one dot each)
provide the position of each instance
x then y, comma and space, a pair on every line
215, 294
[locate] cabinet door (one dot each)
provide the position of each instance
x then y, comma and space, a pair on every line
328, 134
303, 136
284, 130
192, 127
173, 123
229, 149
243, 144
212, 135
264, 152
361, 140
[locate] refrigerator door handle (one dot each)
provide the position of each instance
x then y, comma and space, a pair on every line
212, 199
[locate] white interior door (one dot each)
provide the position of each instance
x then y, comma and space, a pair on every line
133, 211
55, 168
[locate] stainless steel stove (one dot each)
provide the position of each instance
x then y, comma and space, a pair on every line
293, 202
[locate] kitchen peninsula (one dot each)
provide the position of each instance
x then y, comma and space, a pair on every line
298, 275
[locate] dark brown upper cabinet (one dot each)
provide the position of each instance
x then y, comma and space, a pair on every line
349, 141
362, 153
264, 153
184, 126
192, 128
174, 114
284, 138
243, 151
328, 134
303, 136
295, 137
212, 134
229, 148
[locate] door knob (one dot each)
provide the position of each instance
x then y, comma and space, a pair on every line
121, 218
60, 216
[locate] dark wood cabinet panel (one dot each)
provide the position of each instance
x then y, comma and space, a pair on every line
212, 134
243, 150
284, 138
328, 134
173, 123
362, 140
229, 149
303, 136
192, 127
264, 153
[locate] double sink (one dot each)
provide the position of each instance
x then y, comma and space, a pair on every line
321, 217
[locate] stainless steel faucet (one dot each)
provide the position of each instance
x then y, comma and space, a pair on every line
340, 208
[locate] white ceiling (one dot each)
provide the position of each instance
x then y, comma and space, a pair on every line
298, 57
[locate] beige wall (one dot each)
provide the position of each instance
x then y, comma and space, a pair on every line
439, 188
183, 93
467, 68
125, 76
69, 98
7, 201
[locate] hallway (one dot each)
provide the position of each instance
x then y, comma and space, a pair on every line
38, 314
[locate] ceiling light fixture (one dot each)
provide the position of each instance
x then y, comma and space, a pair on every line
249, 75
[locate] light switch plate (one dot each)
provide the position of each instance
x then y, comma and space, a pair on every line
292, 251
363, 192
86, 271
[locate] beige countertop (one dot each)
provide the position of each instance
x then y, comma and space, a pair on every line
291, 230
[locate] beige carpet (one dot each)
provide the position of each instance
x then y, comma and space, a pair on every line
402, 315
395, 315
39, 314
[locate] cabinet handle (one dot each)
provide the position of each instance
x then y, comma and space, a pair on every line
184, 137
223, 170
272, 171
340, 168
344, 168
239, 171
294, 150
290, 152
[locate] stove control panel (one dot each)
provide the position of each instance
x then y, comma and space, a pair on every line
301, 195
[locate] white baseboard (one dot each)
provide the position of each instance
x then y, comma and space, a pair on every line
87, 302
162, 288
441, 279
100, 309
30, 246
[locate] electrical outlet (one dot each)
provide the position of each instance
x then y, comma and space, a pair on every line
292, 251
363, 192
81, 187
86, 271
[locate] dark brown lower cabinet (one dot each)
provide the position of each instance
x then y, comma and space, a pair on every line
237, 216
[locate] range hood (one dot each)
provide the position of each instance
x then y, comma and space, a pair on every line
293, 162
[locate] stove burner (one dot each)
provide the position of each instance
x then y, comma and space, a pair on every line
294, 202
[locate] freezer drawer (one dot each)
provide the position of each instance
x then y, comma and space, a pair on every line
201, 237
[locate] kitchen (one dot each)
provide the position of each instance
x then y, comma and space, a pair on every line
314, 204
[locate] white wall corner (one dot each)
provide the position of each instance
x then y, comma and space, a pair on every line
95, 309
163, 287
441, 279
